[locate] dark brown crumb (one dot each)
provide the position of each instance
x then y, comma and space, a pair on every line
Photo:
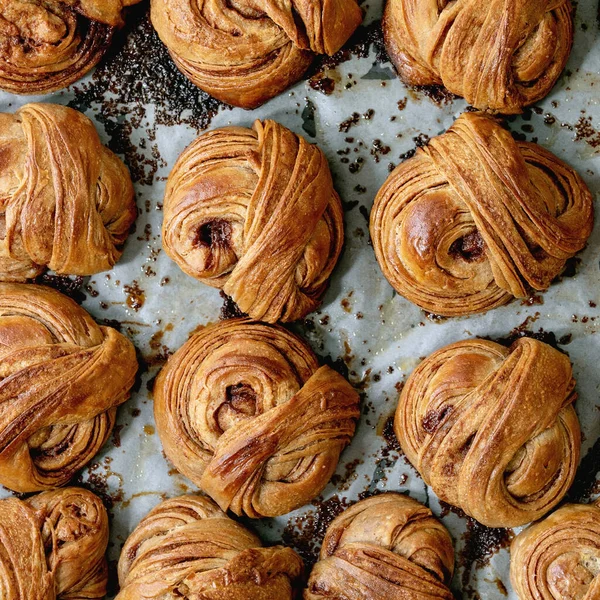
321, 83
480, 544
437, 93
534, 299
349, 122
378, 149
138, 72
548, 337
305, 533
585, 131
116, 436
586, 481
136, 297
391, 441
69, 286
359, 45
230, 309
342, 481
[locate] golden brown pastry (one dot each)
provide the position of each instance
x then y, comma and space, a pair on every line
245, 412
254, 212
188, 548
499, 55
493, 429
477, 218
245, 52
52, 546
45, 45
388, 547
559, 557
66, 201
61, 379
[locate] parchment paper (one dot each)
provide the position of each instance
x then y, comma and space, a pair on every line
148, 114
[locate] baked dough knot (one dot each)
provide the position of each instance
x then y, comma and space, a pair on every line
388, 547
476, 218
493, 429
45, 45
500, 55
559, 557
62, 377
245, 412
254, 212
66, 201
53, 545
245, 52
187, 547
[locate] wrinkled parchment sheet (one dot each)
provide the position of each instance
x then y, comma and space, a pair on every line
363, 324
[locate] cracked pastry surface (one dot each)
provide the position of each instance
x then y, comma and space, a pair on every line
62, 377
246, 413
188, 547
476, 218
245, 52
45, 45
493, 429
53, 545
66, 201
254, 213
500, 55
387, 547
559, 557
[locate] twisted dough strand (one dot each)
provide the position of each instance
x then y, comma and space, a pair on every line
245, 412
476, 218
559, 557
188, 547
66, 201
254, 212
47, 45
52, 546
245, 53
388, 547
54, 414
493, 430
500, 55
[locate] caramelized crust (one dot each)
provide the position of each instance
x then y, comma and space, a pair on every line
61, 379
245, 412
188, 548
246, 52
52, 546
254, 212
500, 55
66, 201
559, 557
388, 547
45, 45
493, 429
477, 218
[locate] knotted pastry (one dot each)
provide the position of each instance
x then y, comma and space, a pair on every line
477, 218
187, 547
499, 55
61, 379
493, 429
245, 52
254, 212
45, 45
245, 412
66, 201
52, 546
559, 557
388, 547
